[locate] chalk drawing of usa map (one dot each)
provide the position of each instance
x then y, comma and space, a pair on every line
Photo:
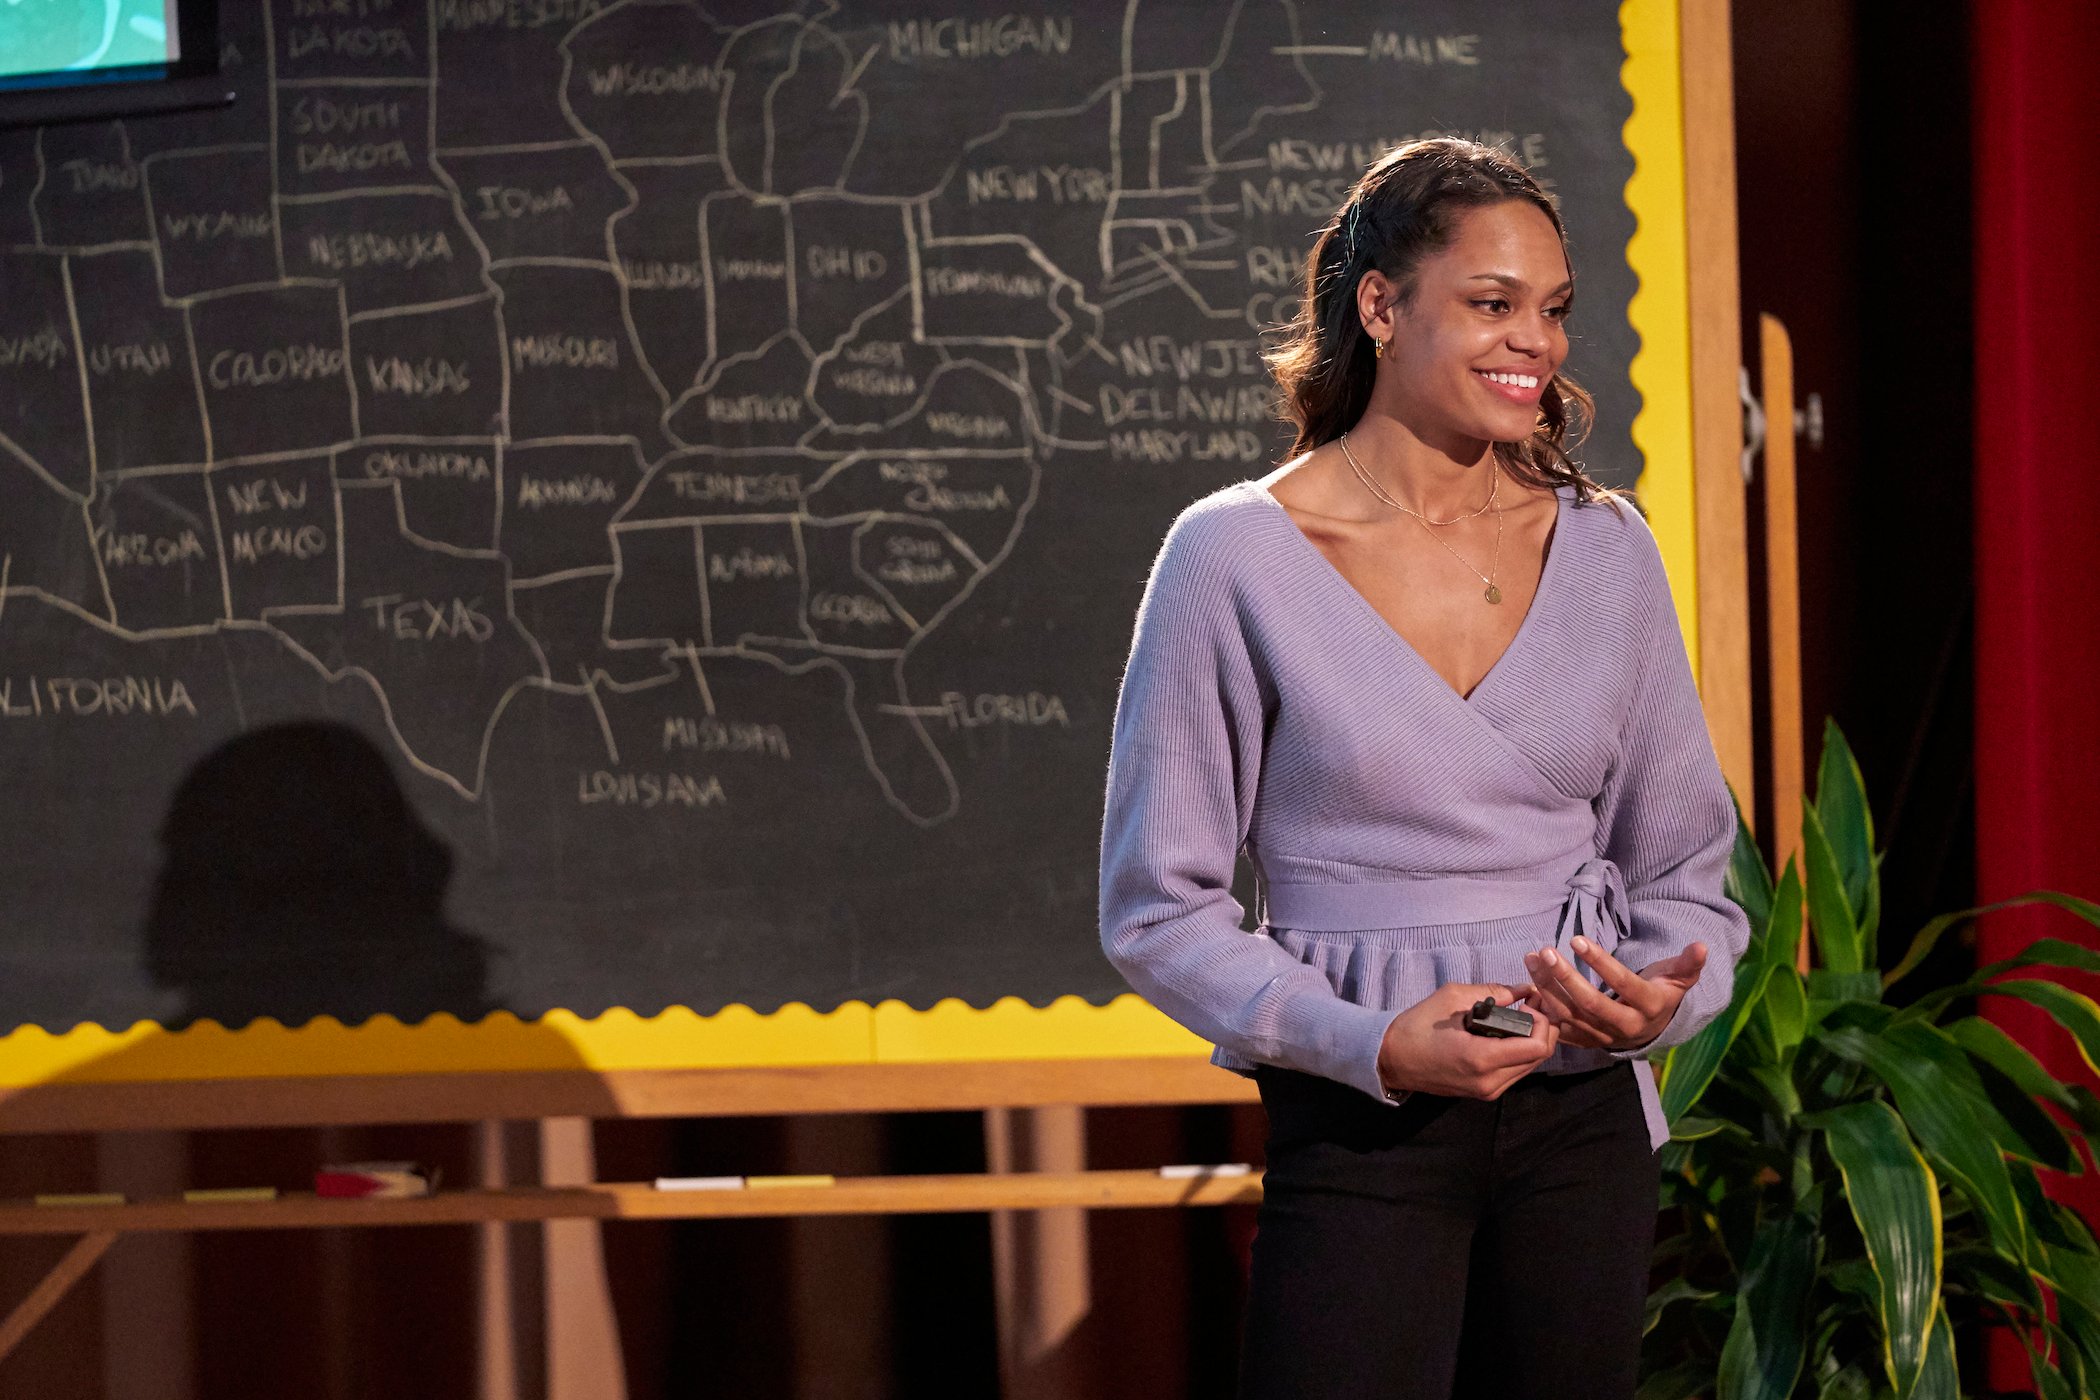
492, 345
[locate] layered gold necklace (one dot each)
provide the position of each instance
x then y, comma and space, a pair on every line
1492, 593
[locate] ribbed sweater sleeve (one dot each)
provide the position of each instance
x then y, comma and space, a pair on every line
1668, 820
1185, 758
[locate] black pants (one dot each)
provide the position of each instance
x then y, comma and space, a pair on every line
1449, 1247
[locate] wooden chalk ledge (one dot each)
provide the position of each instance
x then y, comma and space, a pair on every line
867, 1195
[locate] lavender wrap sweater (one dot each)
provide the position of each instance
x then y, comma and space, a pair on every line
1403, 836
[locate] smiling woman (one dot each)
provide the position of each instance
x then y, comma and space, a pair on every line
1427, 676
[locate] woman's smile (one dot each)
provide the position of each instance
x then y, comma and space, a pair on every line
1516, 386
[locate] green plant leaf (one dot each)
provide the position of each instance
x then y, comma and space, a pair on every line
2053, 952
2073, 1011
2069, 1262
2074, 1272
1779, 1093
1685, 1378
1841, 807
1922, 943
1990, 1274
1830, 919
2036, 1137
2056, 1230
1945, 1109
1895, 1200
1690, 1067
1677, 1290
1851, 1383
1749, 880
1781, 944
1855, 1277
1938, 1379
2045, 952
1784, 1010
1691, 1129
1853, 998
1991, 1045
2063, 1380
2081, 1323
1767, 1340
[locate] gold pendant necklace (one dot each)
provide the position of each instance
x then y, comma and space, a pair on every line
1371, 485
1491, 593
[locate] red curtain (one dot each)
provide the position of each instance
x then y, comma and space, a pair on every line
2036, 129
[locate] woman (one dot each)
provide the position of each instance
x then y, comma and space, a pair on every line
1428, 676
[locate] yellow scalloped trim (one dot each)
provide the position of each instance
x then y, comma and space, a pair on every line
737, 1036
1011, 1029
1661, 305
951, 1030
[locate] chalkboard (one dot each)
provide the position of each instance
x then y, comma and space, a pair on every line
546, 504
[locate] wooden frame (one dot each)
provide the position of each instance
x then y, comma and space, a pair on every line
867, 1195
450, 1098
99, 1226
1722, 652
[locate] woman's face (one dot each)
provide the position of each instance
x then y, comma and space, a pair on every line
1471, 351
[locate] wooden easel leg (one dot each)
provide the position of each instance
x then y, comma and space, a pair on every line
1040, 1261
584, 1361
46, 1295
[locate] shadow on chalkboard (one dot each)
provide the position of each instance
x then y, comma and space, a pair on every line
297, 881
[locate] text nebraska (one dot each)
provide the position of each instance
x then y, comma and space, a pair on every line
337, 251
33, 697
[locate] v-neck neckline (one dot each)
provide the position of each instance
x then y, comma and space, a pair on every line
1547, 573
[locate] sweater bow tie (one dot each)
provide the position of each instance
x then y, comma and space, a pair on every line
1595, 908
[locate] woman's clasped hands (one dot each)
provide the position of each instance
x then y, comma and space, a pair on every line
1427, 1048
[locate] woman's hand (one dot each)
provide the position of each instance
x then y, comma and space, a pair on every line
1428, 1049
1646, 1000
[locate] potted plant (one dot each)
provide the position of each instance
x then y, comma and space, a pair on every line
1849, 1180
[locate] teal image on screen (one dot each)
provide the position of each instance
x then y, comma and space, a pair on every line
61, 36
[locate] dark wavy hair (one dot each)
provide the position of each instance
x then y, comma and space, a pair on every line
1406, 207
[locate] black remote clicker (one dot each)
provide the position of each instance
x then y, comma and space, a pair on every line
1486, 1018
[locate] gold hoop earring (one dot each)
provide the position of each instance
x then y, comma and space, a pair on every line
1377, 349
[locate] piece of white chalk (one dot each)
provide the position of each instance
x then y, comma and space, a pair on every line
1187, 1170
699, 1183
